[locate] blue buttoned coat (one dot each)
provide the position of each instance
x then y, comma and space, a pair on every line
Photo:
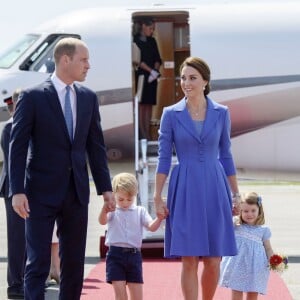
199, 198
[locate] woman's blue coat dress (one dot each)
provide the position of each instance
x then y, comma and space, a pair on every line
199, 196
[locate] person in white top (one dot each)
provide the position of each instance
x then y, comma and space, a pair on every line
124, 237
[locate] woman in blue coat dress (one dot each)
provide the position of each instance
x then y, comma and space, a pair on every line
202, 186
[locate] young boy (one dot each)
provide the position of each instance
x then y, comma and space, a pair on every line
124, 238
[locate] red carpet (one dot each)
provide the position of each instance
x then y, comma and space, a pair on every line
162, 281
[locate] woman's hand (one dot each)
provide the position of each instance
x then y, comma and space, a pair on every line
160, 208
236, 200
153, 75
236, 208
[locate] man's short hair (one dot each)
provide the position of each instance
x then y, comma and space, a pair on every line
66, 46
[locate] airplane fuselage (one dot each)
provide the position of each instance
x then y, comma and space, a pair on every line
252, 50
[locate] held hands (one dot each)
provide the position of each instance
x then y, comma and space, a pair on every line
162, 211
109, 201
20, 205
235, 209
109, 205
236, 198
154, 74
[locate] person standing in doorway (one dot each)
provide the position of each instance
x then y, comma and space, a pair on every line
149, 68
59, 122
15, 224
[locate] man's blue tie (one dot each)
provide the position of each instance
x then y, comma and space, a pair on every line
68, 112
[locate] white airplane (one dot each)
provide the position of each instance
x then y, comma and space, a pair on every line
252, 48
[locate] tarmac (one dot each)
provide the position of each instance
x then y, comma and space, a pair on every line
281, 201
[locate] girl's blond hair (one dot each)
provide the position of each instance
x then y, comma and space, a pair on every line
253, 198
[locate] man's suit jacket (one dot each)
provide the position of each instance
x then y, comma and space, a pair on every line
4, 183
40, 125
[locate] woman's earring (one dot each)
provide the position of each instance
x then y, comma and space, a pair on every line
203, 88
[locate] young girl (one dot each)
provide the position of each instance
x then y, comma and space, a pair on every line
124, 238
248, 271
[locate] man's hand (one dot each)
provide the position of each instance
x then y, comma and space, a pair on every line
20, 205
109, 200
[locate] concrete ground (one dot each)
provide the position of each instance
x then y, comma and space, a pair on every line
281, 202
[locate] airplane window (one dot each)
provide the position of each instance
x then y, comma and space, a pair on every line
43, 63
41, 60
39, 51
9, 57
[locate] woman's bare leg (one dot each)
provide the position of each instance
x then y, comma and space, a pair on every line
55, 262
210, 277
189, 277
145, 114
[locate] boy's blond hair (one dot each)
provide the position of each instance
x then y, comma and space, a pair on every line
125, 182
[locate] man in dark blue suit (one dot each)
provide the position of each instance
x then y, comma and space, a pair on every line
59, 121
14, 223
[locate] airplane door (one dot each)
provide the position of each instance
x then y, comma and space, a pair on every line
173, 40
165, 91
174, 46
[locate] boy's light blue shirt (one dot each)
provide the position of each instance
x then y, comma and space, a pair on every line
125, 227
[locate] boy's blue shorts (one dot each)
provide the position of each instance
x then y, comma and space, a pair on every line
124, 264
